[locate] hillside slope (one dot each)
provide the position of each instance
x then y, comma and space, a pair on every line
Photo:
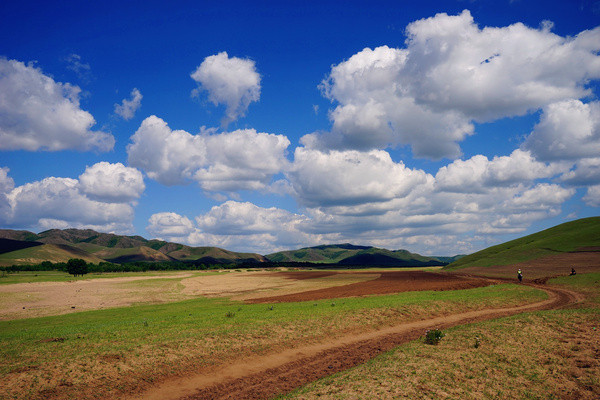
46, 252
97, 246
575, 236
348, 254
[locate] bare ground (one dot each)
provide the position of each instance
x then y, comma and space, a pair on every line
37, 299
387, 282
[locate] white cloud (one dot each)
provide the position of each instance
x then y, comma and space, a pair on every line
233, 82
229, 161
127, 108
113, 183
568, 130
235, 225
478, 174
79, 67
350, 177
592, 197
170, 225
59, 199
6, 186
57, 202
586, 172
37, 113
451, 73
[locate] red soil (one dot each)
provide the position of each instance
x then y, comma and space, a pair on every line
388, 282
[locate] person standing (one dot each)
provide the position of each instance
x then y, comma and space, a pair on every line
520, 275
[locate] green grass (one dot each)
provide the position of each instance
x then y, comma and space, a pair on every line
540, 355
58, 276
586, 283
566, 237
168, 338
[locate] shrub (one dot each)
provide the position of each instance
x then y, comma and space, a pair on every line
77, 266
433, 336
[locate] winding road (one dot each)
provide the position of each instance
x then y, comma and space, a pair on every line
264, 377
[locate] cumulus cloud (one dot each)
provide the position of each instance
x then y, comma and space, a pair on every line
114, 183
127, 108
592, 197
37, 113
449, 74
350, 177
478, 174
56, 202
231, 81
229, 161
568, 130
6, 186
235, 225
170, 225
585, 172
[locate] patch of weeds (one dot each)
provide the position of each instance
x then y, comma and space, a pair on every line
230, 314
434, 336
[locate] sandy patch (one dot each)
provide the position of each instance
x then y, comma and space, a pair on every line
27, 300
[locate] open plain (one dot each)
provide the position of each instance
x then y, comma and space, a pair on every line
237, 334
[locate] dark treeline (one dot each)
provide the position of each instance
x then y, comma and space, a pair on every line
138, 266
142, 266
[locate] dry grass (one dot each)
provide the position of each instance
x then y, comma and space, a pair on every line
110, 352
542, 355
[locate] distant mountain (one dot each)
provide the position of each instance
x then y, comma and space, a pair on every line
17, 247
571, 237
58, 245
348, 254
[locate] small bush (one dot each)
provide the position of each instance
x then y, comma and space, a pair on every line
230, 314
434, 336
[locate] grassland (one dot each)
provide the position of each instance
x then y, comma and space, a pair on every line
563, 238
536, 355
110, 352
58, 276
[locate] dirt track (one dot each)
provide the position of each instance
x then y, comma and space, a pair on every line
268, 376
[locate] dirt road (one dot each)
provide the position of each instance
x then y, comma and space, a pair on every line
268, 376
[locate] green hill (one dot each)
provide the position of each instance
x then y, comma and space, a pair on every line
46, 252
579, 235
348, 254
91, 245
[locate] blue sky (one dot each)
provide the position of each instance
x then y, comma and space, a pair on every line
441, 127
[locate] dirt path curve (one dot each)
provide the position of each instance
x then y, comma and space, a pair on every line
267, 376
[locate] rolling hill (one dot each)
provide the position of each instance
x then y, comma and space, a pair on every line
58, 245
348, 254
46, 252
580, 236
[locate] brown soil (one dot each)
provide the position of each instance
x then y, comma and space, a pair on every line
388, 282
275, 374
